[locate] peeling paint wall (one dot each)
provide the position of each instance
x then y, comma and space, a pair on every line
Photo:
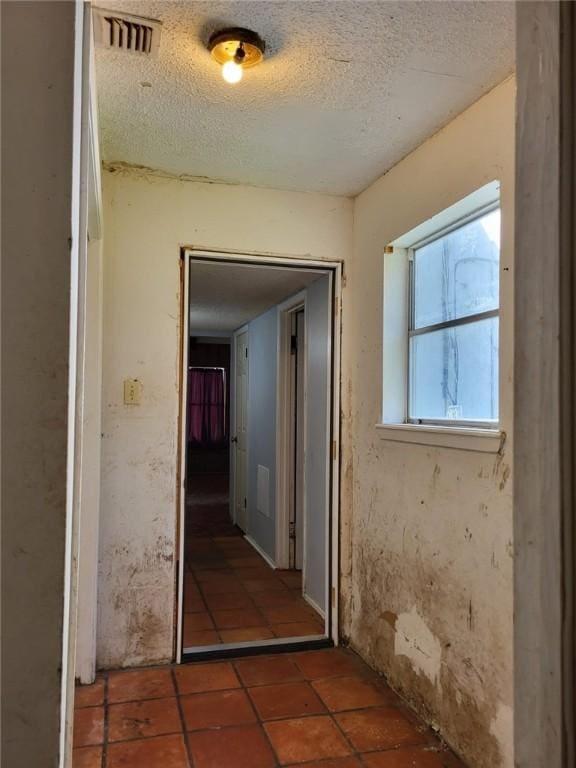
426, 532
147, 220
427, 551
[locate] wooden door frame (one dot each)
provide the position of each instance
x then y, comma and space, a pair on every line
85, 654
84, 194
254, 258
181, 463
545, 385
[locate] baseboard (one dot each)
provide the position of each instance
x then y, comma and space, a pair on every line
260, 551
254, 647
314, 605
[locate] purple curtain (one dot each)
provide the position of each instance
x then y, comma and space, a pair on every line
206, 399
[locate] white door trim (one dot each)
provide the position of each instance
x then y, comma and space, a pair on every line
544, 388
181, 512
283, 415
334, 597
257, 258
78, 255
85, 669
335, 268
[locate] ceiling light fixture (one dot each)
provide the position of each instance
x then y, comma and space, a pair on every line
236, 49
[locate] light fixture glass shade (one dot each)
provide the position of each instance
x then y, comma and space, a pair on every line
232, 72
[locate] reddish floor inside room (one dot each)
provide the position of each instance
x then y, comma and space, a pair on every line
231, 594
320, 709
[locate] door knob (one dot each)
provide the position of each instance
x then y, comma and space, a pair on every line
234, 440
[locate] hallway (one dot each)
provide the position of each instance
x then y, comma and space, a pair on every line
231, 594
320, 709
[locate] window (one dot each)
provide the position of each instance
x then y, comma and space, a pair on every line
453, 323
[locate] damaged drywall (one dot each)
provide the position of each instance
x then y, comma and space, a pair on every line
428, 566
414, 640
501, 727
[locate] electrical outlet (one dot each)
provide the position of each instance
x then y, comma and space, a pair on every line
132, 392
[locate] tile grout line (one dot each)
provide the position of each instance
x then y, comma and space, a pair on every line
359, 754
303, 716
137, 701
347, 740
104, 757
140, 737
259, 721
263, 722
354, 752
181, 714
411, 745
331, 714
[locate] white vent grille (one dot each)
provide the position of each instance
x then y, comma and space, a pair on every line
123, 32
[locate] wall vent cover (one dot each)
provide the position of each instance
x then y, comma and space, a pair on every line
124, 32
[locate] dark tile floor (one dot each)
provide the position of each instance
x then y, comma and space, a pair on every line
315, 709
231, 594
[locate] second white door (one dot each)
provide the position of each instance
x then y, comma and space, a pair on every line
239, 437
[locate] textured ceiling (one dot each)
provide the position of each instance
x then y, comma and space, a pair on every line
223, 297
345, 91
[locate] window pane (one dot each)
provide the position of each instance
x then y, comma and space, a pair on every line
454, 373
458, 274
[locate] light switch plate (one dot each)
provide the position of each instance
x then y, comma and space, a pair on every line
132, 392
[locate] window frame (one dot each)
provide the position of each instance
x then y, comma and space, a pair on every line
454, 225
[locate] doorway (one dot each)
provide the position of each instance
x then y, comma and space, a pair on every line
207, 433
257, 552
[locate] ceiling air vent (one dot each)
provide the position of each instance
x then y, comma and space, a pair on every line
124, 32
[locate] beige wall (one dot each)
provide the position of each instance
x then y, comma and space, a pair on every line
427, 554
147, 220
37, 107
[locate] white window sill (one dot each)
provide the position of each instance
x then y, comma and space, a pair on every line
459, 438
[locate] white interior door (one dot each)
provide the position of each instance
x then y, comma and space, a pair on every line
240, 429
300, 398
318, 350
296, 533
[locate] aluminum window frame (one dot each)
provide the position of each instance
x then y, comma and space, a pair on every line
462, 221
